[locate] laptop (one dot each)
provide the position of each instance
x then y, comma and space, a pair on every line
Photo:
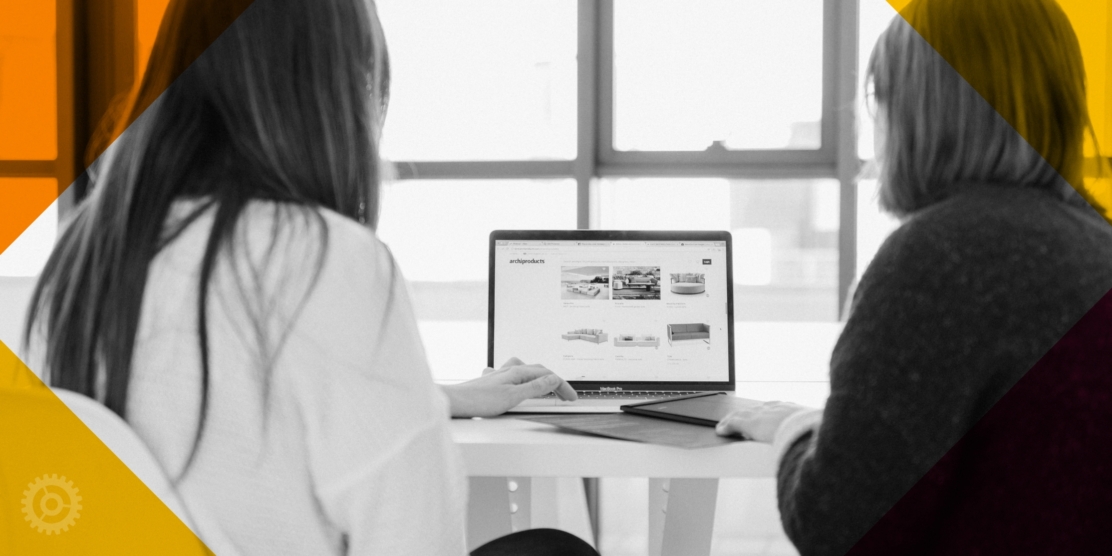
623, 316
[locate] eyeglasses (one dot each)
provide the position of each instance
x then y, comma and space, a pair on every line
872, 97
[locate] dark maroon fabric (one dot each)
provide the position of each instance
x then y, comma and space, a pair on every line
1033, 476
958, 306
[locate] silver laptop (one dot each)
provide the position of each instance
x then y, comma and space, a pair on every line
622, 316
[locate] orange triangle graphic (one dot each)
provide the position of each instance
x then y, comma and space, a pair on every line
62, 490
23, 200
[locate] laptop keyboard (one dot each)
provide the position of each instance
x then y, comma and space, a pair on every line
624, 395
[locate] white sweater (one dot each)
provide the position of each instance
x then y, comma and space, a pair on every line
340, 444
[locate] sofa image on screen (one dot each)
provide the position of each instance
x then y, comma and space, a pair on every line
585, 289
593, 335
633, 282
636, 282
688, 333
629, 340
687, 284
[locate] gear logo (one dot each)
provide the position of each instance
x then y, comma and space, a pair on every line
51, 504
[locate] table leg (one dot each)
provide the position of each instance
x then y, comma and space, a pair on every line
658, 506
561, 503
591, 492
522, 502
681, 516
497, 506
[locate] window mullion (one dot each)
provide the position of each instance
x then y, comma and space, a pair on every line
587, 87
846, 14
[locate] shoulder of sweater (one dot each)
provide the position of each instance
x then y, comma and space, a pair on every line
1023, 209
977, 246
993, 219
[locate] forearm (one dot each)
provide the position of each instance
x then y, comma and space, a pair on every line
813, 518
826, 510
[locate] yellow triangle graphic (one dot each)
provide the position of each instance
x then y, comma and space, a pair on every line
1092, 23
62, 491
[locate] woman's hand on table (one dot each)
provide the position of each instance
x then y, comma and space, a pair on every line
501, 389
759, 422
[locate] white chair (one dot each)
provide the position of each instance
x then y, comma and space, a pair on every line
118, 436
15, 295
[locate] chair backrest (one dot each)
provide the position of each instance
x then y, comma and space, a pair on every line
122, 440
15, 295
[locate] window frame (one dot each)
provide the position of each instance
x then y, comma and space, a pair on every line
95, 61
62, 167
596, 157
754, 160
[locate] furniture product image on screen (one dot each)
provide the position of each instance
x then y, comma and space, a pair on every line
684, 332
585, 289
634, 282
687, 284
593, 335
626, 340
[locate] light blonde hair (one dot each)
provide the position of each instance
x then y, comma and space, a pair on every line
978, 91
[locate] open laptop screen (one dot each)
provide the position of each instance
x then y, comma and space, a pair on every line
614, 310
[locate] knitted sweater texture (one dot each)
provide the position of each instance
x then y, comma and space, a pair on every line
959, 303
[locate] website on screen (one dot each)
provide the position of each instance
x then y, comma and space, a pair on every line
614, 310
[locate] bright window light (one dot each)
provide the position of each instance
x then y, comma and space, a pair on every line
752, 256
875, 16
785, 234
745, 74
873, 225
480, 80
27, 255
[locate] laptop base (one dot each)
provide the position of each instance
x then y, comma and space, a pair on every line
525, 408
589, 402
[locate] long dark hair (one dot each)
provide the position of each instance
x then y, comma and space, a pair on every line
274, 100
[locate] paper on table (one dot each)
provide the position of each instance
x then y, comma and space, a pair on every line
624, 426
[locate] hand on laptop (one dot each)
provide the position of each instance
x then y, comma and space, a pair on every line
759, 422
499, 390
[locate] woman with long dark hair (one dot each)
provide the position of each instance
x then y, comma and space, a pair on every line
945, 431
222, 290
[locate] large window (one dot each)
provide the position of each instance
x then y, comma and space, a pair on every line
649, 114
62, 63
34, 124
481, 80
733, 75
622, 114
873, 226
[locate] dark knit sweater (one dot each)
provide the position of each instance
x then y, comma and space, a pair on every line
959, 303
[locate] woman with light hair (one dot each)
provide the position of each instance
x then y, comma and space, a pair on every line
936, 438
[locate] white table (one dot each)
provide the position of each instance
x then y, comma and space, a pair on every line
512, 464
775, 361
